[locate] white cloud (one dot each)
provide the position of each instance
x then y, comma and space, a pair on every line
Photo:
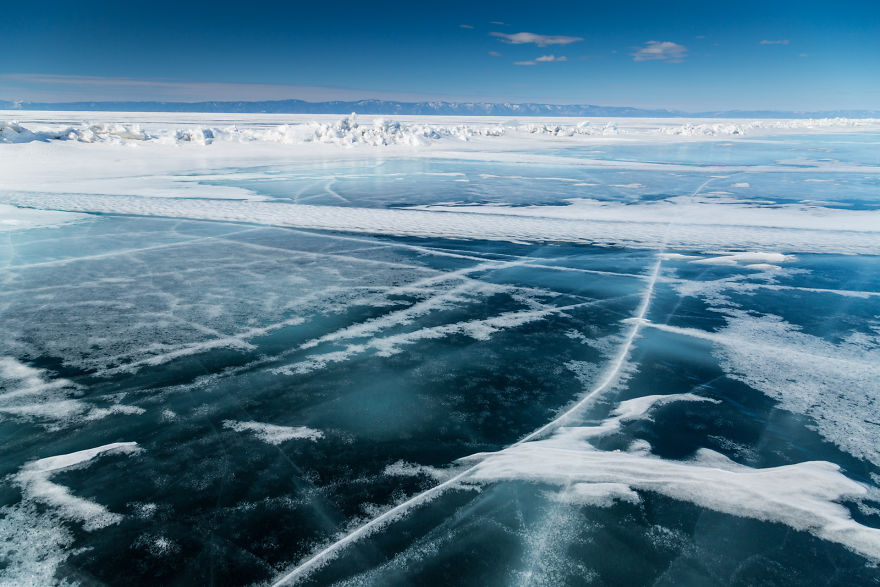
661, 51
549, 58
465, 26
539, 40
498, 22
779, 42
542, 59
494, 53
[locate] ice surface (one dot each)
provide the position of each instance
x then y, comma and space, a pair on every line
309, 326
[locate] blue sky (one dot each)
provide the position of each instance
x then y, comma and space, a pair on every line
683, 55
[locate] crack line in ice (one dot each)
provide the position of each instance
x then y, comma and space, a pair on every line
616, 366
123, 252
435, 251
300, 252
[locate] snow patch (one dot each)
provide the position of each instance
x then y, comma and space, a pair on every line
750, 260
34, 478
272, 433
803, 496
405, 469
28, 393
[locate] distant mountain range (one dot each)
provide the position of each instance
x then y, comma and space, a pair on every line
384, 107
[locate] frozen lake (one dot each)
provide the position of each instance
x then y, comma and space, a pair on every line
469, 351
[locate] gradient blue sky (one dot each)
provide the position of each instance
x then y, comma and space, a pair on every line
705, 55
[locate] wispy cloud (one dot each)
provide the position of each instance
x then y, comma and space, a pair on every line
465, 26
494, 53
779, 42
498, 22
539, 40
661, 51
542, 59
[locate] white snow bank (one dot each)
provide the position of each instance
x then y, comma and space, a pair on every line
639, 226
383, 132
35, 481
13, 132
743, 128
272, 433
803, 496
688, 210
346, 131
